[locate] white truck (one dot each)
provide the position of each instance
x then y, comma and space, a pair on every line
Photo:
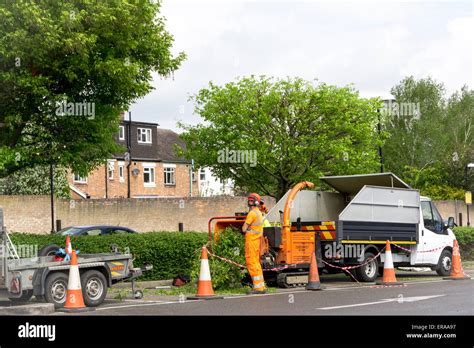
353, 224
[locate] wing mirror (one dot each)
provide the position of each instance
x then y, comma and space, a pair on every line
450, 222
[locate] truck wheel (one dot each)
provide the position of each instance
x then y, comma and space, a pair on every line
368, 272
56, 289
444, 264
25, 296
94, 288
48, 250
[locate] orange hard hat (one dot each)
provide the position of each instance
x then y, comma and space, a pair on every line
255, 197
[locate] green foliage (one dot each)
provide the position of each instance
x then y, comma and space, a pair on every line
430, 180
434, 145
465, 237
170, 253
299, 131
443, 192
35, 181
231, 245
98, 52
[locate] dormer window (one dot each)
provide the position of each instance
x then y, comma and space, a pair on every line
121, 133
144, 135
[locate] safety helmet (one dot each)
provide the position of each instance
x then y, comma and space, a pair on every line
254, 199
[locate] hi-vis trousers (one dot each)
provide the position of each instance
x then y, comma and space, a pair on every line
252, 258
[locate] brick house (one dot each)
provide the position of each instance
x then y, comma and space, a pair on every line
155, 170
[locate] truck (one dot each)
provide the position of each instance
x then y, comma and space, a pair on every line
46, 278
350, 225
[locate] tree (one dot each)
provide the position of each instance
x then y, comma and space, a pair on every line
67, 68
431, 147
415, 136
292, 129
459, 129
35, 181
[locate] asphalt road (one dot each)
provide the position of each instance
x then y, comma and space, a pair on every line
438, 297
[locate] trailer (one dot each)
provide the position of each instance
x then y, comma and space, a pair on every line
47, 279
349, 226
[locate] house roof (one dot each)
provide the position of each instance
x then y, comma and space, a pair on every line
166, 140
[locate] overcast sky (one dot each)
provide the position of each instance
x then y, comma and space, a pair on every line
370, 44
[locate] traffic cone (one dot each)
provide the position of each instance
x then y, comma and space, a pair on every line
388, 270
68, 245
204, 290
313, 277
74, 299
457, 272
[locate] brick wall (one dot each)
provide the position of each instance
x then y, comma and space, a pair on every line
454, 208
117, 188
31, 214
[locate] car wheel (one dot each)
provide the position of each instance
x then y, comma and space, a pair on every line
56, 289
444, 264
368, 272
94, 288
25, 296
48, 250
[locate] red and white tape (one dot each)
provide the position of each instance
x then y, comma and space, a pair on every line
420, 251
242, 266
226, 260
356, 266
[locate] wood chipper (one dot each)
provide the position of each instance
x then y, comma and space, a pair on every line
287, 246
349, 227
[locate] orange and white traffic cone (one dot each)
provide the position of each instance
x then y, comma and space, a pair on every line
313, 277
74, 299
457, 272
68, 246
388, 270
204, 290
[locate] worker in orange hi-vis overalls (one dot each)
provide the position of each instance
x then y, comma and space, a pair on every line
253, 229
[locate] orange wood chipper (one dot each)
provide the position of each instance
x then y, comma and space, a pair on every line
286, 246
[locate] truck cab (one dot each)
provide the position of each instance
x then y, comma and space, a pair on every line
434, 236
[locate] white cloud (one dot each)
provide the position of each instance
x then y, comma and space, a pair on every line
371, 44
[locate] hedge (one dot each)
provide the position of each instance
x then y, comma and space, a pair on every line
465, 237
170, 253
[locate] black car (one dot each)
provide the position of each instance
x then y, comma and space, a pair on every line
96, 230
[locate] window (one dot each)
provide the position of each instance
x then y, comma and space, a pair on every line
110, 169
95, 232
431, 218
144, 135
149, 176
79, 179
202, 174
121, 169
118, 231
121, 133
169, 175
193, 175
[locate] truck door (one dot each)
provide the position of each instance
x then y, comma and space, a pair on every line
433, 233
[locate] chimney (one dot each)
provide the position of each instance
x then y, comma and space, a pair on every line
122, 116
